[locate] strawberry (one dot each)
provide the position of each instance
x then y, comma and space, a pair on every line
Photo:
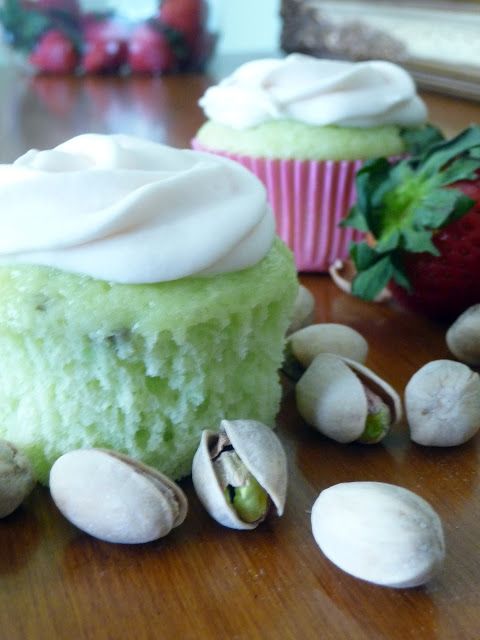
105, 46
149, 50
186, 16
424, 215
54, 53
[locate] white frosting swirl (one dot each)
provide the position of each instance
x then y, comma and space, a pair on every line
127, 210
316, 92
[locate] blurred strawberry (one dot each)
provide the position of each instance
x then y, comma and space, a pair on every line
69, 6
424, 213
54, 53
188, 17
149, 50
105, 46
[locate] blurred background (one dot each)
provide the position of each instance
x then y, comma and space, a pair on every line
438, 42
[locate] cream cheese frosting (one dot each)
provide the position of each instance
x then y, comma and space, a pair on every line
128, 210
316, 92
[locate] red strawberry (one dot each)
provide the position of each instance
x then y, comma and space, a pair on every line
149, 51
188, 17
105, 46
424, 214
54, 53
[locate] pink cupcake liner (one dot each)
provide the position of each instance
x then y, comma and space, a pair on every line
309, 199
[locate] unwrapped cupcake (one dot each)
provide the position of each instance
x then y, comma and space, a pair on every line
304, 125
143, 298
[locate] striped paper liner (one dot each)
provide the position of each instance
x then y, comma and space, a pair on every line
309, 199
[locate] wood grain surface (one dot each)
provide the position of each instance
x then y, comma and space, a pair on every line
204, 581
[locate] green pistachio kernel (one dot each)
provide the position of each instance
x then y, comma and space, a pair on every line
376, 425
250, 501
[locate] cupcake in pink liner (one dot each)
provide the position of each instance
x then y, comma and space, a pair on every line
304, 126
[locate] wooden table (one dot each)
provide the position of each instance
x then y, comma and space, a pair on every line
204, 581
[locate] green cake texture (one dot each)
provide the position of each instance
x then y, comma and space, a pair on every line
287, 139
141, 369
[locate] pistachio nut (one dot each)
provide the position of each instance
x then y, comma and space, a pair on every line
327, 337
442, 403
346, 401
303, 312
16, 478
239, 471
379, 532
115, 498
463, 337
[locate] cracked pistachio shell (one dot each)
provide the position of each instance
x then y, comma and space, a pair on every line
327, 337
259, 449
115, 498
442, 403
303, 312
379, 532
16, 478
331, 397
463, 337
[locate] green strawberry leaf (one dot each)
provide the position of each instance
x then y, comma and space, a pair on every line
440, 207
441, 154
363, 255
419, 139
460, 169
418, 241
370, 281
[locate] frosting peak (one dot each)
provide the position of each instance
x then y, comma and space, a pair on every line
316, 92
127, 210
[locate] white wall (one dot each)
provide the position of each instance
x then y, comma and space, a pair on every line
248, 25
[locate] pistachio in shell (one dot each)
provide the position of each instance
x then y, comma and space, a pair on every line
379, 532
116, 498
327, 337
239, 471
346, 401
442, 404
463, 337
303, 312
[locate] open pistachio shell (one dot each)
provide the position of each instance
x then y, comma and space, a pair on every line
258, 449
442, 403
16, 478
463, 337
115, 498
331, 397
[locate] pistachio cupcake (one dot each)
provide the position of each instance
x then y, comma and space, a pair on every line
304, 126
143, 298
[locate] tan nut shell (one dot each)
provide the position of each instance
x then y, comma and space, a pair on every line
379, 532
442, 403
331, 398
261, 452
303, 312
327, 337
16, 478
115, 498
463, 337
